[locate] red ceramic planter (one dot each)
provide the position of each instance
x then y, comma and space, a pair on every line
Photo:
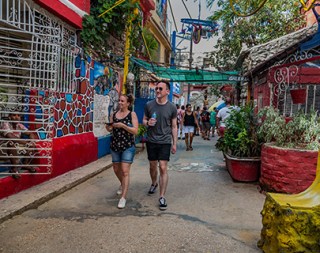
243, 169
298, 96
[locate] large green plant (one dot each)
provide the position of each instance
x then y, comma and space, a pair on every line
302, 132
275, 19
150, 42
96, 30
240, 138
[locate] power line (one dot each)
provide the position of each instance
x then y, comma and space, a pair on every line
186, 8
174, 20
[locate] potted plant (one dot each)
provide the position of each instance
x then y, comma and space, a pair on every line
298, 95
141, 135
241, 145
289, 155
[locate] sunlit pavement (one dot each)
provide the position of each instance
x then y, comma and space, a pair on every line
207, 212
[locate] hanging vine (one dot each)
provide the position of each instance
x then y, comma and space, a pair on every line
97, 31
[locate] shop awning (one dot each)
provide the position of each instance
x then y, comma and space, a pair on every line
190, 76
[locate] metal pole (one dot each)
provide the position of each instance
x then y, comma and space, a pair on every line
190, 67
172, 63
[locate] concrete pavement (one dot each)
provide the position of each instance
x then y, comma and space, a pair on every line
37, 195
207, 211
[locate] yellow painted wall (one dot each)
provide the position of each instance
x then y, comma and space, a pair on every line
157, 28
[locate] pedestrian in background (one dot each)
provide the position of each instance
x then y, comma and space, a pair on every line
222, 115
198, 129
205, 119
124, 126
213, 116
181, 113
189, 122
160, 116
179, 123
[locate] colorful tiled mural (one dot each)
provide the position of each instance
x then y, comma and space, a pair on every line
87, 110
107, 85
74, 112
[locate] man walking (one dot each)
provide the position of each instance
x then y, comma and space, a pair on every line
160, 116
222, 115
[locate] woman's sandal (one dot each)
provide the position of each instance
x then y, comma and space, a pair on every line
190, 148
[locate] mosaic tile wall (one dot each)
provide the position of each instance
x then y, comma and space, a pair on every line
74, 112
97, 96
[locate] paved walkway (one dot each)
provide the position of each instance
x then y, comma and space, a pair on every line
207, 211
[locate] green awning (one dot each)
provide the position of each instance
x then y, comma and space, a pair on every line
190, 76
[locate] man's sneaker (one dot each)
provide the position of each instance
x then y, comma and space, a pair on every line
119, 191
122, 203
153, 189
162, 204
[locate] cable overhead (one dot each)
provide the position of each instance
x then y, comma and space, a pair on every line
186, 8
174, 20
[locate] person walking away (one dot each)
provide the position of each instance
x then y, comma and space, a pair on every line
205, 119
124, 126
190, 122
179, 124
205, 101
213, 116
160, 116
197, 130
222, 115
181, 114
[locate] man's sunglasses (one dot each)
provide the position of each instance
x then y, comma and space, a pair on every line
159, 88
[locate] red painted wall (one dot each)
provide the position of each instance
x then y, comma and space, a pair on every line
287, 170
69, 153
261, 93
82, 4
64, 12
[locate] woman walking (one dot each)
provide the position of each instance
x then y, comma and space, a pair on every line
124, 126
189, 122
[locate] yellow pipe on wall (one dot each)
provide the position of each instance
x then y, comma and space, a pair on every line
126, 57
127, 45
115, 5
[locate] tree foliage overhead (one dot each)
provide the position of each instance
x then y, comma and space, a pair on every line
275, 19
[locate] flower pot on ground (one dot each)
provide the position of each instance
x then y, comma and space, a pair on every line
298, 96
241, 145
289, 157
243, 169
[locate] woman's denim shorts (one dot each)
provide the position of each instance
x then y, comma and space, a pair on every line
125, 156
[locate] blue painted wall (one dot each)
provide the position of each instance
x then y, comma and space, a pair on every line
104, 145
139, 104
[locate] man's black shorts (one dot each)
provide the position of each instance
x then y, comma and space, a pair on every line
158, 152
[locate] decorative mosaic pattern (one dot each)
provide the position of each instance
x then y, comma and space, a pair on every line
74, 112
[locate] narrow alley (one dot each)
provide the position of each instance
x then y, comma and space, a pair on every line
207, 212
